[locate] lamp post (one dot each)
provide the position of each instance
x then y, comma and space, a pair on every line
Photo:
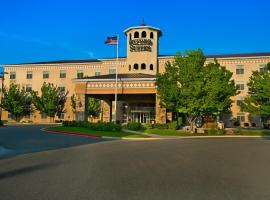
2, 75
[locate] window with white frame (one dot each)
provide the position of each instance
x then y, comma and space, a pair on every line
28, 88
239, 69
239, 101
63, 73
80, 74
46, 74
12, 75
97, 72
29, 75
240, 117
112, 70
240, 85
263, 68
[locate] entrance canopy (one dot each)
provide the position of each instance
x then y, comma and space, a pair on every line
127, 84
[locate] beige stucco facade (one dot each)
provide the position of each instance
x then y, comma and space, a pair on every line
142, 59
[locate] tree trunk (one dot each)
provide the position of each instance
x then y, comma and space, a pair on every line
191, 120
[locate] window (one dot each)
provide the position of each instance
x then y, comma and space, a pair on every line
80, 74
240, 85
63, 73
136, 34
61, 116
240, 117
143, 66
43, 116
112, 70
136, 66
29, 75
129, 67
97, 72
45, 74
28, 88
263, 68
239, 69
151, 67
239, 101
62, 88
152, 35
130, 36
143, 34
12, 75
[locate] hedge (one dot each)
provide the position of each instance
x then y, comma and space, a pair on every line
100, 126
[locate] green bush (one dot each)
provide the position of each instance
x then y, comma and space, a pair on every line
161, 126
173, 125
148, 126
134, 126
215, 132
100, 126
1, 123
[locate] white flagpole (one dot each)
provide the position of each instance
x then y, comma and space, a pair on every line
116, 81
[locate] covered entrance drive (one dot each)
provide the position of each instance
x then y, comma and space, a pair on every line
137, 99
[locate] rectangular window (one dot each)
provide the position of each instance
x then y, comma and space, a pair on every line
240, 117
62, 88
263, 68
46, 74
61, 116
80, 74
43, 116
28, 88
29, 75
240, 85
12, 75
97, 72
239, 69
63, 74
112, 70
239, 101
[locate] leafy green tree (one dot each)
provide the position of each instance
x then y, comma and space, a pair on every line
94, 107
51, 101
16, 101
73, 104
258, 100
195, 88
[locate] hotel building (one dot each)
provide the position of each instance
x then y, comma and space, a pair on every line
137, 96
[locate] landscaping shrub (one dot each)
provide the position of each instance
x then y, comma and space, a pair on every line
100, 126
1, 123
236, 123
134, 126
173, 125
215, 132
161, 126
148, 126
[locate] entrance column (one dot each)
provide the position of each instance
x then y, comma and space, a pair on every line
81, 107
106, 115
160, 112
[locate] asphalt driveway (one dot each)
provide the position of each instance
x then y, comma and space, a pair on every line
188, 169
23, 139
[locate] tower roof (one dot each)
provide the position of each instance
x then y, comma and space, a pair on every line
143, 27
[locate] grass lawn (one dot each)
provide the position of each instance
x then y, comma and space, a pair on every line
167, 132
100, 133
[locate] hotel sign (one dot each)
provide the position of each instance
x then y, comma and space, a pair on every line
139, 45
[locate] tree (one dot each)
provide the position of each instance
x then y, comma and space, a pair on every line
93, 107
258, 100
16, 101
195, 88
73, 104
51, 101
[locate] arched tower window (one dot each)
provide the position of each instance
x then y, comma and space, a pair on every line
136, 66
129, 67
151, 67
136, 34
143, 34
152, 35
130, 36
143, 66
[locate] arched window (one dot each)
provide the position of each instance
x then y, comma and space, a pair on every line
143, 34
152, 35
129, 67
136, 66
130, 36
151, 67
136, 34
143, 66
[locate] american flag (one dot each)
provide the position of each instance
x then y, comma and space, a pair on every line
111, 40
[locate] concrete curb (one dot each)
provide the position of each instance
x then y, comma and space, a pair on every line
71, 133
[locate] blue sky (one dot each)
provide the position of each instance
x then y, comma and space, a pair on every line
45, 30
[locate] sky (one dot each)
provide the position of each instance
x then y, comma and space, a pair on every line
48, 30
